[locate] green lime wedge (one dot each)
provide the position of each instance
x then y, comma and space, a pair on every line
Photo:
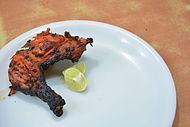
75, 79
81, 67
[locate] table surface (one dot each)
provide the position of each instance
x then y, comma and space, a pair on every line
164, 24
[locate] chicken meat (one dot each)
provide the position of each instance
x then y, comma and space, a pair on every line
26, 69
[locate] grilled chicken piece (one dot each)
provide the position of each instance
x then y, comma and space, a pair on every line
26, 70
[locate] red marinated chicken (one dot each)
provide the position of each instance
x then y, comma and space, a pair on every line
26, 70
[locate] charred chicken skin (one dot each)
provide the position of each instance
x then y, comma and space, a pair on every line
26, 70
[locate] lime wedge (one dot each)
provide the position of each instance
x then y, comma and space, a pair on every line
75, 79
81, 67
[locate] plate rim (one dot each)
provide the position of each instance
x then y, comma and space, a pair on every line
91, 22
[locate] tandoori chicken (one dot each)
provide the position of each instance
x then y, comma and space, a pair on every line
26, 69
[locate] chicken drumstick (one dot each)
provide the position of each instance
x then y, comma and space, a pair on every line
26, 70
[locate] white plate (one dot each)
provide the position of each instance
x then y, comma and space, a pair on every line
129, 85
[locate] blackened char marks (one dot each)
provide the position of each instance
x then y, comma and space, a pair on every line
45, 65
26, 70
49, 96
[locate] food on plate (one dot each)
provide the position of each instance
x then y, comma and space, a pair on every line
26, 69
75, 78
81, 66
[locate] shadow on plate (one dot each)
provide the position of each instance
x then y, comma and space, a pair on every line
56, 69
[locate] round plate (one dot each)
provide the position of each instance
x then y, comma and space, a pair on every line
129, 85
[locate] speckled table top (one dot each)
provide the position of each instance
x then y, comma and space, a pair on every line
164, 24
